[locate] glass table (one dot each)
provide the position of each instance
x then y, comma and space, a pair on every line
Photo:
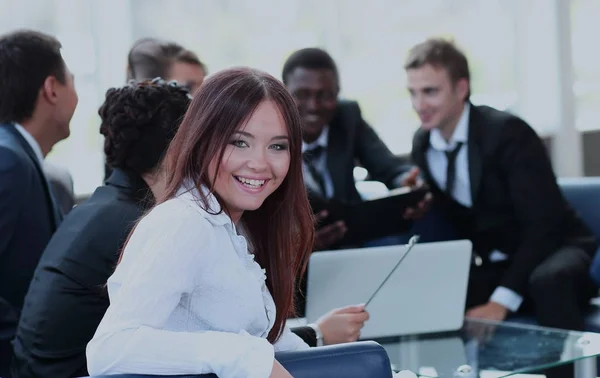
484, 348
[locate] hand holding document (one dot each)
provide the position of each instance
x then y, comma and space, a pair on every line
373, 219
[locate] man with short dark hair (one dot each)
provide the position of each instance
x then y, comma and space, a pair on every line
37, 101
491, 176
336, 137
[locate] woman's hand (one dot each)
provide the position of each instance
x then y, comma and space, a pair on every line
343, 325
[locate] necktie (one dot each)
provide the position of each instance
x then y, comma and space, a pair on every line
451, 168
311, 157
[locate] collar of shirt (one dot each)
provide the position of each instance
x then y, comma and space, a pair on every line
214, 213
35, 146
321, 141
461, 133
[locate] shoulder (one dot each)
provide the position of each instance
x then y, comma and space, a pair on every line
501, 125
173, 235
498, 120
420, 137
9, 143
348, 109
107, 209
14, 161
347, 118
348, 105
11, 158
15, 171
177, 219
99, 224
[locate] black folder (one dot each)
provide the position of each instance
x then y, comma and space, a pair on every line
372, 219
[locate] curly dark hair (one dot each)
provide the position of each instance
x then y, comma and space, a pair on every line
138, 122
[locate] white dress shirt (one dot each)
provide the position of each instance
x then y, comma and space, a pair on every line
187, 298
320, 164
35, 146
438, 163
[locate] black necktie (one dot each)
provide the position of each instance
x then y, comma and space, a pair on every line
451, 168
311, 157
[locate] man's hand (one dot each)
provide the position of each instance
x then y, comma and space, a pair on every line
413, 181
343, 325
489, 311
422, 207
326, 236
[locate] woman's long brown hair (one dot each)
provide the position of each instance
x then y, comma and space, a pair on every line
281, 231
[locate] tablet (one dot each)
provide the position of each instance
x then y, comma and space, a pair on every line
373, 219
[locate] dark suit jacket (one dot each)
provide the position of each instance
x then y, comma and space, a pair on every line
352, 141
28, 218
61, 184
67, 298
517, 205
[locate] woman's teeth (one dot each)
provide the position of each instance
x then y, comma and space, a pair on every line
251, 183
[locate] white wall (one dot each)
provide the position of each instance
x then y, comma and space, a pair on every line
519, 51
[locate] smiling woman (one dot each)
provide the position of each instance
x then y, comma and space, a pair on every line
189, 287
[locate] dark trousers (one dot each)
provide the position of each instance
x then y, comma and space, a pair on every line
558, 293
559, 288
5, 358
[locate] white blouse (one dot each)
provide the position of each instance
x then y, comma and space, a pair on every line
187, 298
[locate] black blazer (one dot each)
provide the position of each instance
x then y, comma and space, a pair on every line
28, 218
517, 205
351, 142
67, 298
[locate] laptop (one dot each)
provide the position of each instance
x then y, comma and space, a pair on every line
425, 294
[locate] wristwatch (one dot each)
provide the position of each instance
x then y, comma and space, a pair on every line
318, 333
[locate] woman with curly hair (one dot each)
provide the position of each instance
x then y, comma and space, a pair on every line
67, 297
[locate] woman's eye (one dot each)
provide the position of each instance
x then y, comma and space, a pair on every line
279, 147
239, 143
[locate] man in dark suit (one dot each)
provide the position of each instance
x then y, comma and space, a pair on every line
37, 101
336, 137
491, 176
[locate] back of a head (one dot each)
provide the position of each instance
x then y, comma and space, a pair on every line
139, 121
150, 58
309, 58
439, 53
27, 59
